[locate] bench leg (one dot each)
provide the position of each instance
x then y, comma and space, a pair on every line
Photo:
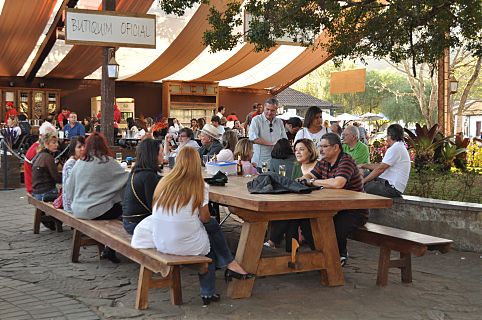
76, 240
406, 269
175, 287
36, 221
383, 266
142, 298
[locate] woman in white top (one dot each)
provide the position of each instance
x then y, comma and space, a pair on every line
174, 127
313, 127
181, 224
13, 125
230, 139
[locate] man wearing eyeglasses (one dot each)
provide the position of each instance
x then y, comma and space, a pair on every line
265, 130
338, 170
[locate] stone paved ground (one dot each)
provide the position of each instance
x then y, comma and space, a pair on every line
37, 281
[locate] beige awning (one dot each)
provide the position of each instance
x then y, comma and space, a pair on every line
179, 54
21, 25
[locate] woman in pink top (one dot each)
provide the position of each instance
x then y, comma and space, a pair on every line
244, 150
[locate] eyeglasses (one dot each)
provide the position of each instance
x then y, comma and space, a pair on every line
270, 127
326, 146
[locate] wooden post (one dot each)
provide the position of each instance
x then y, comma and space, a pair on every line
107, 87
443, 96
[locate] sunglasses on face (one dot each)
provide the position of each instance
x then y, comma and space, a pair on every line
270, 127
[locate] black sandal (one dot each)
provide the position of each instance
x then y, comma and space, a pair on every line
214, 298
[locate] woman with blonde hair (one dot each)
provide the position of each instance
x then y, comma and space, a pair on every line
181, 224
244, 151
45, 174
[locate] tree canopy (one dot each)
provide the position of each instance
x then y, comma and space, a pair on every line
418, 30
387, 92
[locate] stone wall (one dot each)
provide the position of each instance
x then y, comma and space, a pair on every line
458, 221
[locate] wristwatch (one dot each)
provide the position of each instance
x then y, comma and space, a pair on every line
312, 181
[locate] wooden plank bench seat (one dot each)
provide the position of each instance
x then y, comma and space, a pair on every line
402, 241
112, 234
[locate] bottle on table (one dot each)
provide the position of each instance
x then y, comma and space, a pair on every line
239, 167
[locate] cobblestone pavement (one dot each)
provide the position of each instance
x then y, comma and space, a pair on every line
37, 281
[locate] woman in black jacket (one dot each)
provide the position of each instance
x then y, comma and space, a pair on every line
143, 179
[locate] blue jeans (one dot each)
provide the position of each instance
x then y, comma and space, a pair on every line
220, 254
54, 193
129, 226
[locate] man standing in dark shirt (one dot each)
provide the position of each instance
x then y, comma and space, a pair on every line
292, 126
337, 170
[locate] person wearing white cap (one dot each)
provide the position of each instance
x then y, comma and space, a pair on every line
47, 126
209, 137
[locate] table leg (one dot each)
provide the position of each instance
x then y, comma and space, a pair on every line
324, 237
248, 254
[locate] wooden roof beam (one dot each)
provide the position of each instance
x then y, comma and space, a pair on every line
49, 41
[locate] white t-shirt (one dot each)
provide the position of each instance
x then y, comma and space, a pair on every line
315, 137
180, 232
398, 159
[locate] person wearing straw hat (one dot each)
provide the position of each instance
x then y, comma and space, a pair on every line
209, 137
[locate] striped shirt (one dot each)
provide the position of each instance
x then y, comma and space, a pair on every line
344, 167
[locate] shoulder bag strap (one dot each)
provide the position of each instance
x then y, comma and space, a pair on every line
135, 194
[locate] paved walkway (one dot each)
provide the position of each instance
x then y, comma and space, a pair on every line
37, 281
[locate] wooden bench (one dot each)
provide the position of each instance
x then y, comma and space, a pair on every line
112, 234
405, 242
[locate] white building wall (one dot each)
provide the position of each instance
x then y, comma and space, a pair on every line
471, 124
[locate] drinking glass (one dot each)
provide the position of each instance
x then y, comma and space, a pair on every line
246, 170
205, 159
282, 170
118, 156
264, 167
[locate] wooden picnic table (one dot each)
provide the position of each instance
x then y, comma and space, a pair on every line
258, 209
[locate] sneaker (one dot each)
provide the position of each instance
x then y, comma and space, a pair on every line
343, 260
268, 245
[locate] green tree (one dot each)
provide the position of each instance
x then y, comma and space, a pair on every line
387, 92
417, 30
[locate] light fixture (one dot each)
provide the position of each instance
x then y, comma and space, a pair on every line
11, 84
112, 66
41, 85
454, 84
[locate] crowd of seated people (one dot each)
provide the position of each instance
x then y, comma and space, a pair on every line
170, 212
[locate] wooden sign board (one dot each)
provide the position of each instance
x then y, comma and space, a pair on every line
108, 28
348, 81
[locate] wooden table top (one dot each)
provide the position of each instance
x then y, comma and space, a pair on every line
236, 194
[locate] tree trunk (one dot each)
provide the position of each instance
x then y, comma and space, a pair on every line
465, 94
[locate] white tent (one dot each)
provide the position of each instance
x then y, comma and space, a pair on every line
373, 116
329, 117
347, 117
287, 115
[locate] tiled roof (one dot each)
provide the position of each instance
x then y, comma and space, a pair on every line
472, 107
294, 98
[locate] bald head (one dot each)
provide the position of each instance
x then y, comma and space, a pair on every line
350, 135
